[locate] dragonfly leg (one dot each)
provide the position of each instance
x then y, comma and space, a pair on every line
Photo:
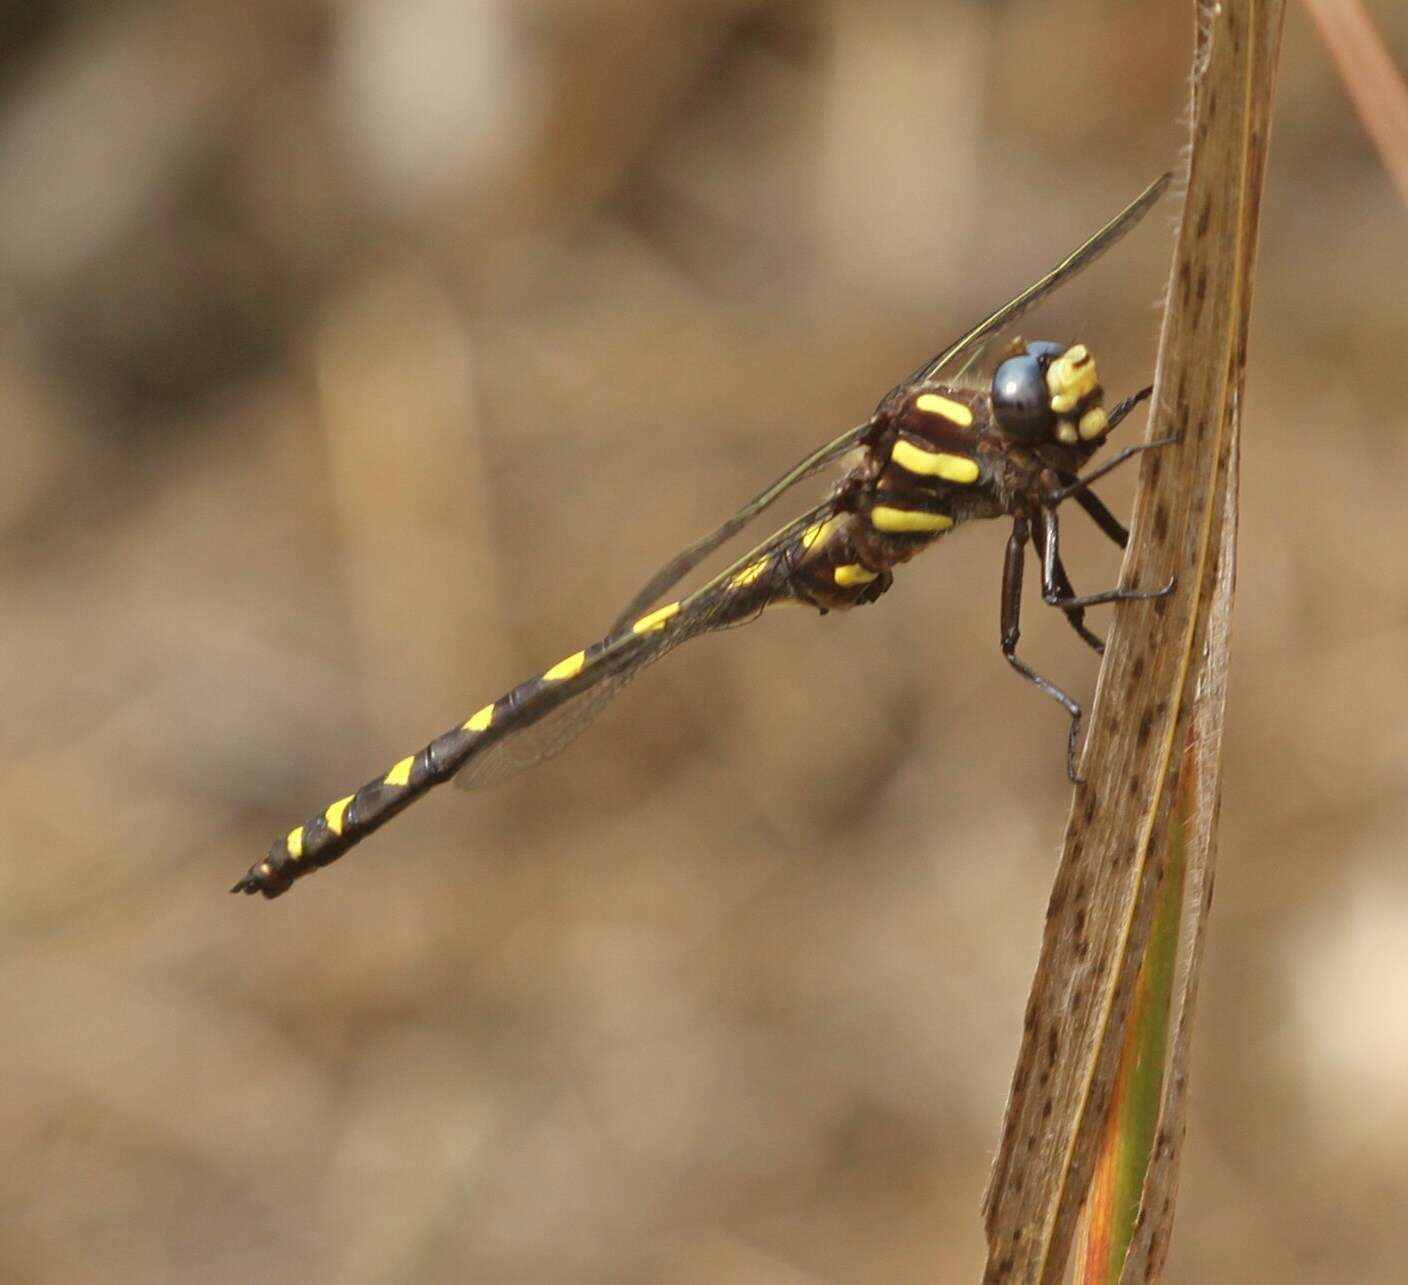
1052, 498
1103, 518
1012, 567
1058, 595
1074, 615
1079, 488
1123, 408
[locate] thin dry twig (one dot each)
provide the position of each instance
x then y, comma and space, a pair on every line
1374, 85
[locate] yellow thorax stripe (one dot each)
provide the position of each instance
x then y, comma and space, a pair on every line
401, 773
818, 531
907, 521
480, 720
568, 668
656, 619
949, 468
954, 412
335, 814
853, 574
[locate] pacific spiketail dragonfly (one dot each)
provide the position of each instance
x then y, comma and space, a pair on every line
934, 454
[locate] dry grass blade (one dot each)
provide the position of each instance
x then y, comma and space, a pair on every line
1158, 711
1374, 85
1196, 837
1131, 1128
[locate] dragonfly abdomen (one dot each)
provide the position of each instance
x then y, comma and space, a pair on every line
323, 838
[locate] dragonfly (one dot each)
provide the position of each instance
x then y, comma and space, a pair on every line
934, 454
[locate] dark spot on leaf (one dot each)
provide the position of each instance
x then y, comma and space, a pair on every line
1146, 726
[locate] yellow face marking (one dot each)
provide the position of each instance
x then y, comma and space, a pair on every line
293, 841
568, 668
479, 722
1092, 424
849, 576
656, 619
335, 813
1065, 432
954, 412
950, 468
1071, 378
749, 573
401, 773
907, 521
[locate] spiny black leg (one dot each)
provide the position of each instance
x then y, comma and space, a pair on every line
1104, 470
1103, 518
1076, 615
1052, 591
1012, 565
1124, 407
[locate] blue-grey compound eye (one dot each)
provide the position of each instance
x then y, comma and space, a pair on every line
1021, 402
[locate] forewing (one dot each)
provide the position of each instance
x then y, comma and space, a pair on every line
721, 604
682, 564
555, 731
971, 344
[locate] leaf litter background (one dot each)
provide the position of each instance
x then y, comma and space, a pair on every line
359, 359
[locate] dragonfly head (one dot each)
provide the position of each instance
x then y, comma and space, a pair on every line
1048, 392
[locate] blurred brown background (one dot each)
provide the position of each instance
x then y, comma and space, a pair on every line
359, 359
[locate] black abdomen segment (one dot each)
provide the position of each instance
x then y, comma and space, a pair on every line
323, 838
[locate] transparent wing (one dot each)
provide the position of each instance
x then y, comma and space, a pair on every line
683, 563
965, 350
971, 344
555, 731
720, 604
